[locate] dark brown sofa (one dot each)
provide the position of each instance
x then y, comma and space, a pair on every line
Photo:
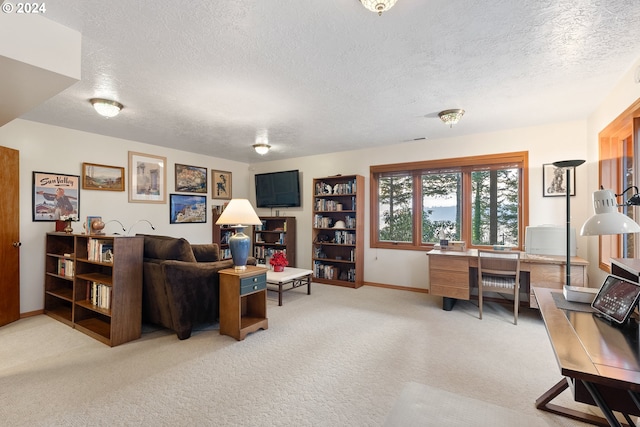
180, 283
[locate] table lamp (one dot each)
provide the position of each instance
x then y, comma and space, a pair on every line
238, 214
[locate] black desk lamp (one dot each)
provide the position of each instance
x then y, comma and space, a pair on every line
568, 165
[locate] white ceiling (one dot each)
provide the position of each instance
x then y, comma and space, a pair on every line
328, 75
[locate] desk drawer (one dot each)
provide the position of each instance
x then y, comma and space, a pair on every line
449, 262
253, 284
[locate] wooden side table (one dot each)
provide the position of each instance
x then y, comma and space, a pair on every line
243, 301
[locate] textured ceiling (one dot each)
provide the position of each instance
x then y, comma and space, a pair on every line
322, 76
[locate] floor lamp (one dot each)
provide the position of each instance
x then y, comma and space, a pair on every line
568, 165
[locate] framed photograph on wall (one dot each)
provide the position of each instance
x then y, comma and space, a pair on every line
187, 209
553, 181
102, 177
191, 179
55, 195
220, 185
147, 178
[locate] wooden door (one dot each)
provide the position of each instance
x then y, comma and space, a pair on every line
9, 236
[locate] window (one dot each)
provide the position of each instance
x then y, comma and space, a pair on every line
618, 143
477, 199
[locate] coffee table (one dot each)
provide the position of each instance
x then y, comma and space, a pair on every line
295, 277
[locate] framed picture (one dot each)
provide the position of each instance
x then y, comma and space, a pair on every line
55, 195
102, 177
147, 178
221, 185
191, 179
553, 181
187, 209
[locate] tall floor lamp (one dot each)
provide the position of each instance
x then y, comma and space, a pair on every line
568, 165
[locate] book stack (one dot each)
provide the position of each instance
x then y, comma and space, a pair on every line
65, 267
99, 294
100, 250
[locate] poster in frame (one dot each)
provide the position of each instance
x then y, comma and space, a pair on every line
147, 178
102, 177
553, 181
191, 179
55, 195
187, 209
220, 185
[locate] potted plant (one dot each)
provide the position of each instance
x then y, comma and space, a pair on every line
278, 261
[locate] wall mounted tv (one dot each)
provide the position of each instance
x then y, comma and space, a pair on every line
278, 189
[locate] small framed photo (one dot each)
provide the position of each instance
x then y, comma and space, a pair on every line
147, 178
554, 181
187, 209
102, 177
191, 179
55, 195
220, 185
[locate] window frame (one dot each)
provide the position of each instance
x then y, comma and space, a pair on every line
618, 145
464, 164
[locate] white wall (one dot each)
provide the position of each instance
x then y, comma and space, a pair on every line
545, 144
47, 148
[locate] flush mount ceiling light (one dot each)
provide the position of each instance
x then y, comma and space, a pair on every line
106, 107
450, 117
378, 6
261, 148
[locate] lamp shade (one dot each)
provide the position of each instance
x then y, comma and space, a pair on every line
239, 212
607, 219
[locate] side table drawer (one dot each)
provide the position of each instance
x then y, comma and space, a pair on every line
253, 284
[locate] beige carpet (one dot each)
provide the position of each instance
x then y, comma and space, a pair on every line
337, 357
420, 405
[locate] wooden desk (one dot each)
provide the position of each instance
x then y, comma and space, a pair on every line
452, 274
599, 362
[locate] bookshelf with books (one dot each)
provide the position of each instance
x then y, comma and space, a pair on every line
221, 234
102, 297
338, 230
276, 234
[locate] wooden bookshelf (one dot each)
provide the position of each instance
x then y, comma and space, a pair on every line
95, 293
221, 234
276, 234
338, 230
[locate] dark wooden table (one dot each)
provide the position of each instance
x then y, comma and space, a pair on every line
599, 361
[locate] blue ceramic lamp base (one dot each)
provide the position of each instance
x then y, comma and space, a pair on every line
239, 244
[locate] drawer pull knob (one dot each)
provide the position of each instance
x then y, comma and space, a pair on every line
255, 279
255, 287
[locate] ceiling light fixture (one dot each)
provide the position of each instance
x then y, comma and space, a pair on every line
451, 117
378, 6
261, 148
106, 107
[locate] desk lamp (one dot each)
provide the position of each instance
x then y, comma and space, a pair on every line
238, 214
607, 219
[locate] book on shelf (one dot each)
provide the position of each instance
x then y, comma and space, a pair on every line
99, 294
100, 250
65, 267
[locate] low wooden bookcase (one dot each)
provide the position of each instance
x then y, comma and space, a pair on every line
93, 283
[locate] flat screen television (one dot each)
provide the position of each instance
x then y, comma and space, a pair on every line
278, 189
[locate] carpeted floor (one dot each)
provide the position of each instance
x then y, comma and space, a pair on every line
337, 357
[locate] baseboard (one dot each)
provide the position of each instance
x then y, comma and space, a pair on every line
398, 288
31, 313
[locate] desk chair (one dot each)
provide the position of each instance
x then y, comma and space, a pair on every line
499, 271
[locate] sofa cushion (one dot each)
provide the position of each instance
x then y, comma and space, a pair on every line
164, 247
205, 252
